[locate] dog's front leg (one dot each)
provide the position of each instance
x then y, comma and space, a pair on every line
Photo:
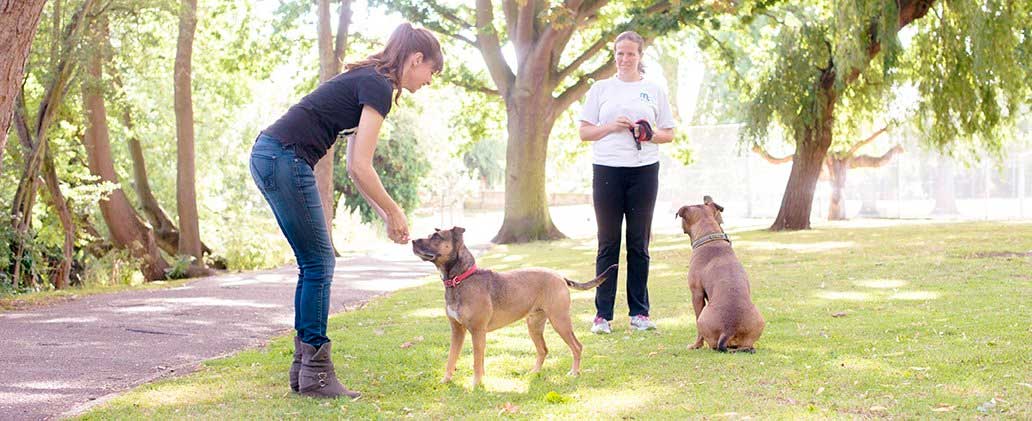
458, 336
479, 343
699, 302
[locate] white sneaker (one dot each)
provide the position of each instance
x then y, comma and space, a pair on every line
642, 322
600, 326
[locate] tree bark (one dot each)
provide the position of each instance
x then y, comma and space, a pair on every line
186, 189
331, 55
128, 231
20, 19
811, 148
526, 203
838, 169
64, 268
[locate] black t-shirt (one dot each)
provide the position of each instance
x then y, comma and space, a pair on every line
312, 125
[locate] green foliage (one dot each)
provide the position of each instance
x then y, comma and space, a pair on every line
968, 60
116, 267
399, 160
180, 267
971, 63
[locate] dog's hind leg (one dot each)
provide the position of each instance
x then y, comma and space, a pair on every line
536, 326
564, 327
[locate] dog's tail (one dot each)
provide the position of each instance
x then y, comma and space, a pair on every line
592, 283
722, 341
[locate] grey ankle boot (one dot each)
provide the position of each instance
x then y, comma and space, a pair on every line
317, 378
295, 367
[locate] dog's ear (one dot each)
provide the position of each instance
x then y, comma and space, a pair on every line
437, 230
456, 233
709, 201
683, 212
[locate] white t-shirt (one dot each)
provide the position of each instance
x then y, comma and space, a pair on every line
611, 98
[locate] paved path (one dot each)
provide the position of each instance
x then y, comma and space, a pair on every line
57, 360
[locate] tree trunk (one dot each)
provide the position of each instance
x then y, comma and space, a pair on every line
25, 195
19, 20
60, 278
945, 188
186, 191
811, 148
128, 231
526, 202
837, 170
331, 55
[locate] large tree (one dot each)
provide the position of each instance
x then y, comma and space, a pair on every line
831, 60
128, 230
554, 42
19, 20
331, 59
186, 184
38, 157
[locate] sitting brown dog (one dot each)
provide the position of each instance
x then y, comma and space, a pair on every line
481, 300
724, 315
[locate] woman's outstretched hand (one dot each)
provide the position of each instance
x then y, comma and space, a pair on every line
397, 227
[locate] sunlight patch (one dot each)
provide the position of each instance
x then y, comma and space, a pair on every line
206, 301
881, 283
514, 258
799, 247
844, 295
28, 397
427, 313
614, 401
914, 295
174, 395
70, 320
504, 385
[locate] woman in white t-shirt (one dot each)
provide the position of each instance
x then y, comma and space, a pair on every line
625, 117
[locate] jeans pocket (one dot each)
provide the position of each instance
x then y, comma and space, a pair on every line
263, 170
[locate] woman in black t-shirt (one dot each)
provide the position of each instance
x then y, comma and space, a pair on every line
353, 103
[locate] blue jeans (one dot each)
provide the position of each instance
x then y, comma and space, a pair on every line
288, 184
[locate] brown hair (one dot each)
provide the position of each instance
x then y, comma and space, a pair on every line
404, 41
637, 39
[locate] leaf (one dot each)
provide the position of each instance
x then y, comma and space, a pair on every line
878, 408
406, 345
509, 408
839, 314
555, 397
943, 407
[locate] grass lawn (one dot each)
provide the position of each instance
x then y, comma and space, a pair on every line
910, 321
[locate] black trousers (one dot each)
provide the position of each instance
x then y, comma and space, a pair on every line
624, 192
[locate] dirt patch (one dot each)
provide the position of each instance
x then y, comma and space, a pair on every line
996, 254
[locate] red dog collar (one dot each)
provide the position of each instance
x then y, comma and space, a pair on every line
454, 282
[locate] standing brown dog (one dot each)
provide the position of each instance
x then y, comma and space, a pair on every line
725, 316
481, 300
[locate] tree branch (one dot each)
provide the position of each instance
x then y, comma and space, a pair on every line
450, 16
865, 161
865, 142
588, 53
490, 48
578, 89
759, 150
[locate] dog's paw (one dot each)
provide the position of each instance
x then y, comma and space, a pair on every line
695, 346
446, 379
573, 373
